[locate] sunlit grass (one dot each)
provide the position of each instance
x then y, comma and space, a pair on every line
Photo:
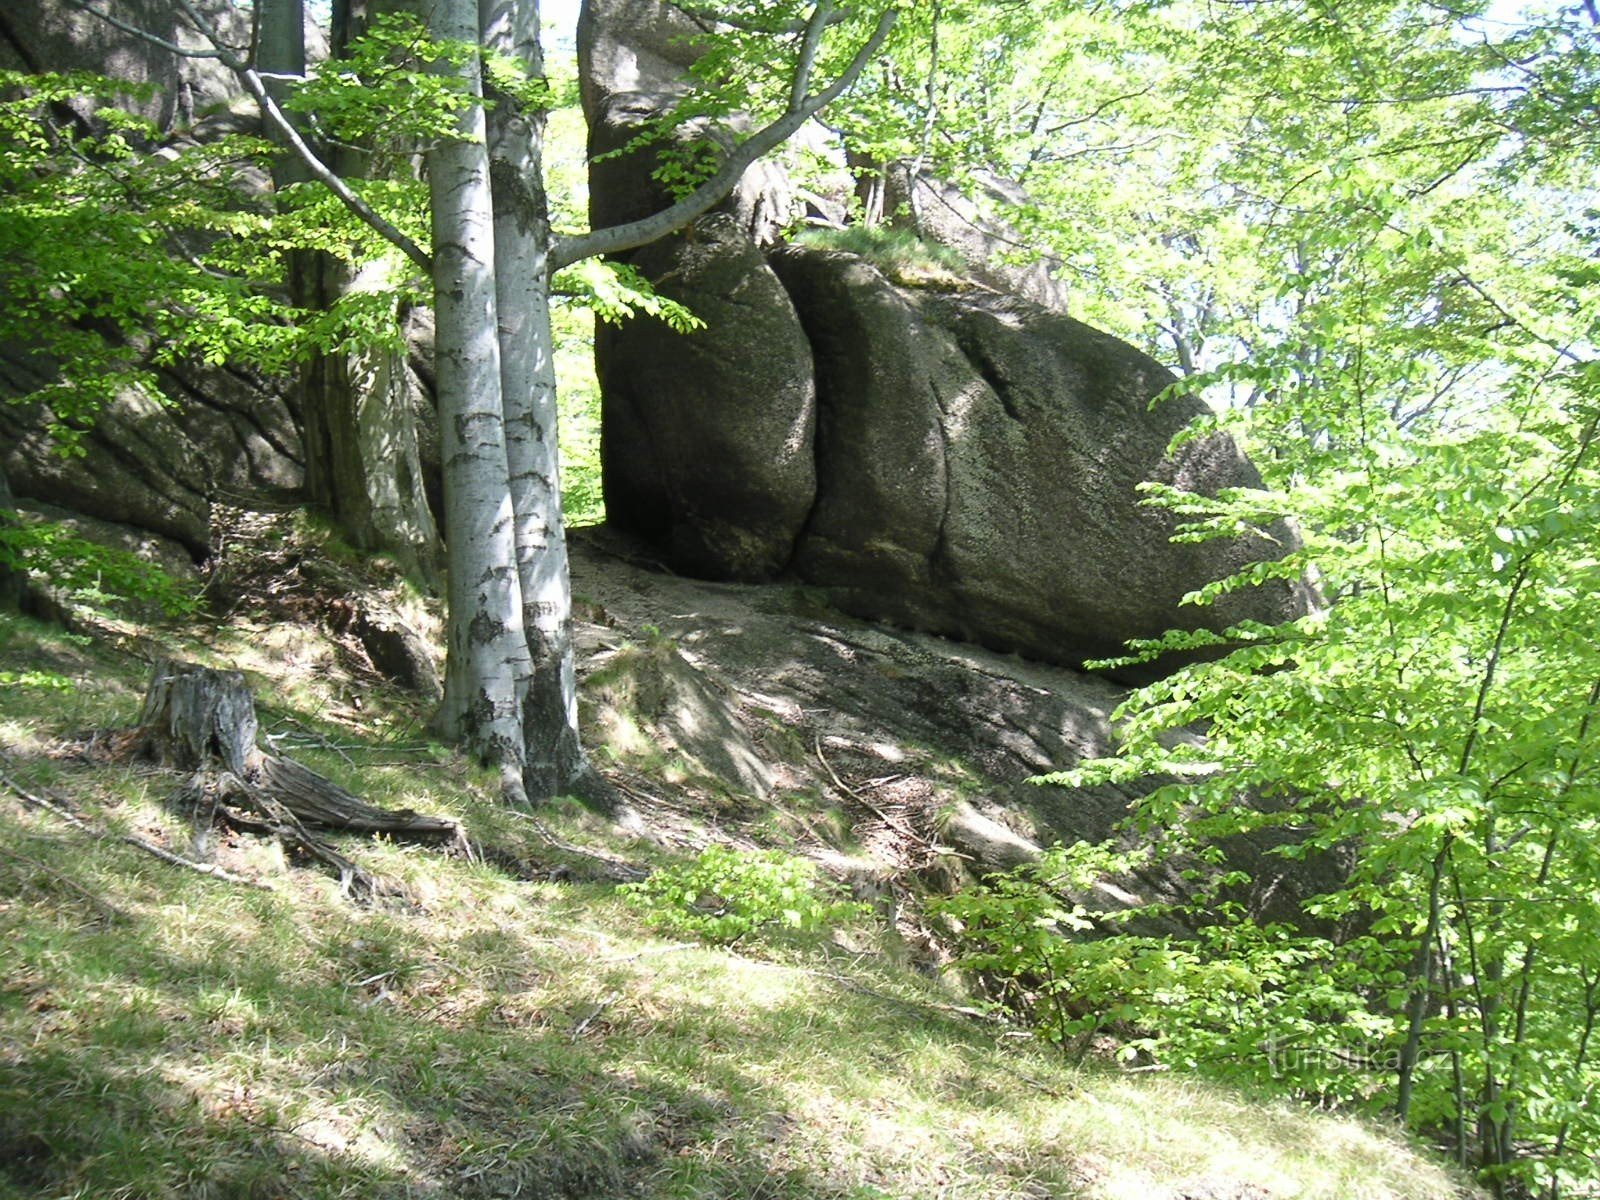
165, 1034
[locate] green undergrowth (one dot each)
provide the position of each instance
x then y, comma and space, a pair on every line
514, 1030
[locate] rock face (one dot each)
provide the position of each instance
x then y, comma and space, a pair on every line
225, 436
981, 478
710, 450
976, 456
222, 434
47, 35
633, 59
951, 458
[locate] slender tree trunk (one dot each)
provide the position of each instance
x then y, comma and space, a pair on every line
1421, 984
358, 408
488, 651
11, 582
868, 174
554, 758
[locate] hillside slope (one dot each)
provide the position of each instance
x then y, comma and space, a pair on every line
514, 1027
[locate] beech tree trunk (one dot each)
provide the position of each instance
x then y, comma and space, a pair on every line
488, 652
554, 759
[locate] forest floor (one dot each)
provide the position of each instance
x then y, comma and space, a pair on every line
508, 1023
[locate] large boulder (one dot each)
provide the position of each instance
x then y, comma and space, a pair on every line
977, 457
980, 477
963, 458
708, 436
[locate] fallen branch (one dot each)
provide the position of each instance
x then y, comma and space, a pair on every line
64, 813
606, 1002
900, 824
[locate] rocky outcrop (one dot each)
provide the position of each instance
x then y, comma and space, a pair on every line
633, 63
47, 35
977, 458
994, 253
710, 446
151, 463
912, 751
952, 454
157, 466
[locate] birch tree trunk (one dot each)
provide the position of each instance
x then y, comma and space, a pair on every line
554, 757
488, 651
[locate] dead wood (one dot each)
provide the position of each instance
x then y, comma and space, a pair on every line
59, 808
203, 721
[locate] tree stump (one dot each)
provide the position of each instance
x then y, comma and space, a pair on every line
203, 721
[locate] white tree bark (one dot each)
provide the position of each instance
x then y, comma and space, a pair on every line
554, 757
487, 653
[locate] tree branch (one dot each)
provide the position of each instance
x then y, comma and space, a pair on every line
274, 116
568, 250
138, 843
815, 28
710, 16
320, 171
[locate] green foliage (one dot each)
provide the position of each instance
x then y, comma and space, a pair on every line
385, 91
1436, 723
1401, 327
727, 895
582, 499
88, 573
118, 258
615, 291
123, 256
1262, 1005
47, 680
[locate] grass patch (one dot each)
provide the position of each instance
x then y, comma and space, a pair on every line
899, 253
165, 1034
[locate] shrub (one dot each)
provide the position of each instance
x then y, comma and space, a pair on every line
726, 895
